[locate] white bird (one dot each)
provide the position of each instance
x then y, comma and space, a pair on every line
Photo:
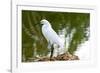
51, 36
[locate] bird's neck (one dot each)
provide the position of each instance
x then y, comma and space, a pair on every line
47, 25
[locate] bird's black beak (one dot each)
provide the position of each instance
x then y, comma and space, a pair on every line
41, 25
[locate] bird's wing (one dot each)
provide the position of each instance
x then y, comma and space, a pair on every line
51, 36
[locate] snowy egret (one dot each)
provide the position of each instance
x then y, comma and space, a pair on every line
51, 36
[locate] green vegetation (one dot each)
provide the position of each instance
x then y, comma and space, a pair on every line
33, 42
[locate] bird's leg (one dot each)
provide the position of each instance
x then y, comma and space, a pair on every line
52, 49
49, 45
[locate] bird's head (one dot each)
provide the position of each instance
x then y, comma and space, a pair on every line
45, 22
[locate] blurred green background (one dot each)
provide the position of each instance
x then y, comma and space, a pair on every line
34, 43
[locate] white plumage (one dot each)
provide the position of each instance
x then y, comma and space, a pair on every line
50, 35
